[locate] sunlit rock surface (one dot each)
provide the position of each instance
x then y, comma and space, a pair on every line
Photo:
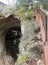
29, 40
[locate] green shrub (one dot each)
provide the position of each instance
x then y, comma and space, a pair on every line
46, 6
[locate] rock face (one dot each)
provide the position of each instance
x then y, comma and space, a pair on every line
28, 41
12, 41
5, 25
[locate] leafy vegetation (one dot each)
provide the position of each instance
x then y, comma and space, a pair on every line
46, 6
25, 1
24, 12
22, 58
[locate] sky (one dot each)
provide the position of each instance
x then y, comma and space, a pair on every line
11, 2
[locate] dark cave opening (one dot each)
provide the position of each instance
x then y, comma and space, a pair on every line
12, 40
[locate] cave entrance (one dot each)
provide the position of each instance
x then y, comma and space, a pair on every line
12, 40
